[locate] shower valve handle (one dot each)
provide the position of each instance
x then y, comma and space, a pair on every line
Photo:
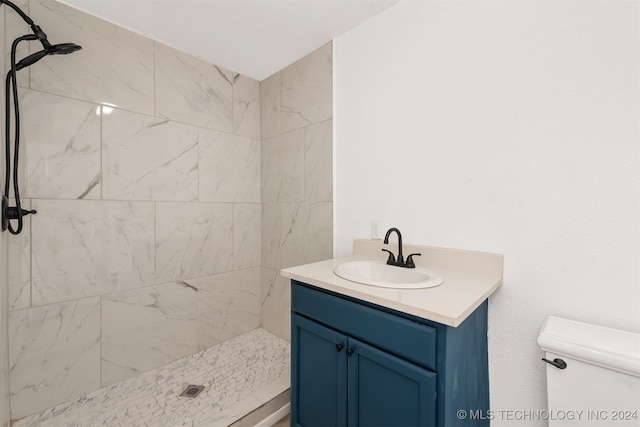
9, 213
12, 212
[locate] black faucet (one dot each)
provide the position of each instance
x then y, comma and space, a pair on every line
399, 261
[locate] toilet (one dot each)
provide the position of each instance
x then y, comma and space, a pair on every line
593, 374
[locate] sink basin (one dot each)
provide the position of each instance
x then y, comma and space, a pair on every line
378, 273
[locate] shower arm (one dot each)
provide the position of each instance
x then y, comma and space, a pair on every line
37, 31
18, 11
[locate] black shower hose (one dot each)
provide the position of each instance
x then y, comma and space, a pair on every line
11, 86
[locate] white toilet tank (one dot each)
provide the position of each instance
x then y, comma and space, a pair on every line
600, 385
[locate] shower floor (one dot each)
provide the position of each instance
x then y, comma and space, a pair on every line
239, 375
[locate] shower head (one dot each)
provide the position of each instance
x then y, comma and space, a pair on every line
38, 34
16, 212
56, 49
63, 49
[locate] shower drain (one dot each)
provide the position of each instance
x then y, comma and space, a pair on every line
192, 390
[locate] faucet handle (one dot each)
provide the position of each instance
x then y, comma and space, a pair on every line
410, 263
391, 258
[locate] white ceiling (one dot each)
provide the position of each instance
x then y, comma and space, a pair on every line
253, 37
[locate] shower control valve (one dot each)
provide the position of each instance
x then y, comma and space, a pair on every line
11, 212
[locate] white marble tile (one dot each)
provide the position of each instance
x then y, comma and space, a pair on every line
318, 162
192, 91
296, 233
55, 354
270, 108
283, 168
271, 222
148, 158
16, 27
83, 248
4, 338
62, 139
307, 90
143, 329
2, 49
307, 233
228, 305
115, 65
4, 302
246, 107
229, 168
296, 108
293, 234
246, 235
275, 303
193, 240
19, 263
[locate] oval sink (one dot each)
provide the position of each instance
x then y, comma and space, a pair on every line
378, 273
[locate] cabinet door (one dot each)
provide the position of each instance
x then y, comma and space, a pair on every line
319, 375
385, 390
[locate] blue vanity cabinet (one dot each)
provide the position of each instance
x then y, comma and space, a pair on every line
358, 364
385, 390
343, 381
321, 374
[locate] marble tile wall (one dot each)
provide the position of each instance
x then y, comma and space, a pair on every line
150, 243
158, 322
4, 339
4, 285
297, 186
146, 246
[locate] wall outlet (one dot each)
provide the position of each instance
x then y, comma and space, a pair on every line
376, 230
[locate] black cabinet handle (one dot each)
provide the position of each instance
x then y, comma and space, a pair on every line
339, 347
558, 363
349, 351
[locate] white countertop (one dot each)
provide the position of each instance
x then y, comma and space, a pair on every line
469, 279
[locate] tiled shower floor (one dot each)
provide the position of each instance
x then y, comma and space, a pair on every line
239, 375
